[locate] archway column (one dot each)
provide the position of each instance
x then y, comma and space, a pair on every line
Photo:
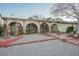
5, 29
16, 28
49, 28
24, 29
38, 28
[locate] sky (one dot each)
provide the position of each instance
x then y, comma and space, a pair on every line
26, 10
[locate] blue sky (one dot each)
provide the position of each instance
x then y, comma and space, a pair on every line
25, 10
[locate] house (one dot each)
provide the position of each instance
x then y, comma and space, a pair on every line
15, 26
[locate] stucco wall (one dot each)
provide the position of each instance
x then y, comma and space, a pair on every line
61, 26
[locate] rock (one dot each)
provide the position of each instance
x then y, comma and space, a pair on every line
71, 34
76, 36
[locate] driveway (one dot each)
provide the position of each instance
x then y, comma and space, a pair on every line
47, 48
32, 37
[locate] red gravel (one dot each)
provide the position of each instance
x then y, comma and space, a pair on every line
71, 40
9, 41
65, 38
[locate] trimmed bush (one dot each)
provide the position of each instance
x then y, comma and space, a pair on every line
70, 29
1, 30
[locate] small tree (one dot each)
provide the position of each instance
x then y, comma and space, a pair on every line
1, 30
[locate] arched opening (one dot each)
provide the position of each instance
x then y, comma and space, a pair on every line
44, 28
15, 28
31, 28
54, 28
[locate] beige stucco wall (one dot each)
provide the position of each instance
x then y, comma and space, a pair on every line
61, 27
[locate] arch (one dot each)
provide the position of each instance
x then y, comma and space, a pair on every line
15, 27
54, 28
17, 21
44, 28
31, 28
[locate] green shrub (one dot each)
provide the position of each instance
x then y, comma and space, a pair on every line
1, 30
70, 29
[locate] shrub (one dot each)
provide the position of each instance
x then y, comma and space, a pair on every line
70, 29
1, 30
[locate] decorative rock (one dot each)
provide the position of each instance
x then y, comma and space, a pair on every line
71, 34
76, 36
